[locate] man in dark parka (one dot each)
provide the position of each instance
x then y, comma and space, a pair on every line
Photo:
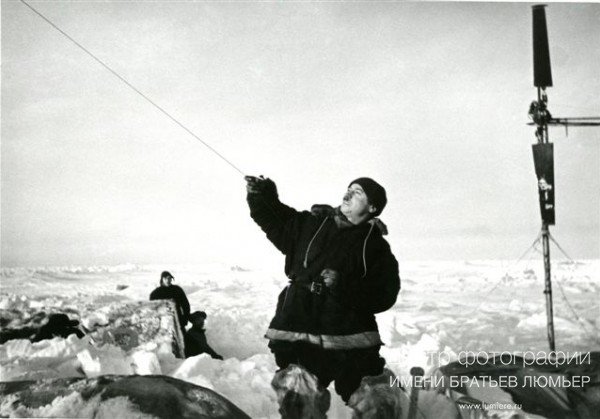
168, 291
341, 273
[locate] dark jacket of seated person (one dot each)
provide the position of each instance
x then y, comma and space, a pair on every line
195, 337
59, 325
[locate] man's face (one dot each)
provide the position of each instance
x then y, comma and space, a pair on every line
355, 205
198, 322
166, 281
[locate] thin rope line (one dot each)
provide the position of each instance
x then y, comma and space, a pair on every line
312, 240
132, 87
128, 84
561, 249
135, 89
364, 252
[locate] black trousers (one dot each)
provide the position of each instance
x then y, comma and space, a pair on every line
345, 367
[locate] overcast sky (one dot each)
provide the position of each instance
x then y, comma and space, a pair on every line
430, 99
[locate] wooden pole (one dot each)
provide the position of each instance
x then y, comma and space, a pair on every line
548, 286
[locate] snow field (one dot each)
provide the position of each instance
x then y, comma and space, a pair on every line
444, 307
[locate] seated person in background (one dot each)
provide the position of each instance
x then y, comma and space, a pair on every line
59, 325
195, 339
168, 291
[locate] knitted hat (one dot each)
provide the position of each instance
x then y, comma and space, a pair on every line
375, 193
166, 274
197, 315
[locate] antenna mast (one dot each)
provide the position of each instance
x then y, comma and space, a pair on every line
543, 151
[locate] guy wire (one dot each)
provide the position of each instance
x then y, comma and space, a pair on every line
483, 299
132, 87
560, 287
513, 264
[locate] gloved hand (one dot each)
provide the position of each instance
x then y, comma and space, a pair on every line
330, 277
261, 186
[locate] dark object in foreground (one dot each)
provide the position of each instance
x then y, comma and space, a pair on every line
161, 396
